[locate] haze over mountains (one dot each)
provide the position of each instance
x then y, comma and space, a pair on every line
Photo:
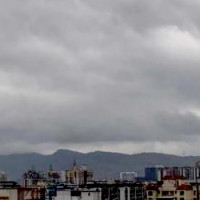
104, 164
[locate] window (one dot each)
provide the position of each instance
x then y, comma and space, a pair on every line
165, 193
150, 193
181, 198
88, 193
181, 192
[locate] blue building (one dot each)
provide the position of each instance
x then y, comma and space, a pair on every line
154, 173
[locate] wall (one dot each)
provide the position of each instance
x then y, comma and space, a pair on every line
12, 194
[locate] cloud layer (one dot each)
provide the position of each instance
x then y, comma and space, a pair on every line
110, 75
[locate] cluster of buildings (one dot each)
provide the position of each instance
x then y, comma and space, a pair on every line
98, 191
74, 184
159, 183
77, 175
158, 172
173, 187
62, 191
173, 183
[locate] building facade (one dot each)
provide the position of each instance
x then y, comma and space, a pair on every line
79, 175
128, 176
172, 187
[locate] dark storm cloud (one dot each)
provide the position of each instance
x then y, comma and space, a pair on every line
99, 71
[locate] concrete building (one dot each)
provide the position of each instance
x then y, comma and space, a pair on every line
131, 193
172, 187
52, 176
31, 193
78, 194
197, 166
154, 173
32, 178
98, 191
158, 172
3, 176
8, 194
128, 176
12, 191
79, 175
36, 178
190, 173
63, 176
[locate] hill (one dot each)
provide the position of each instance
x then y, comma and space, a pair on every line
104, 164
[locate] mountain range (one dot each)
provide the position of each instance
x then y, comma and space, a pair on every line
104, 164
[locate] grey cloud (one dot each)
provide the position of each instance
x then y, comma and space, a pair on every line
98, 71
179, 125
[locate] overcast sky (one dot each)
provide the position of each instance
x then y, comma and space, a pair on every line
111, 75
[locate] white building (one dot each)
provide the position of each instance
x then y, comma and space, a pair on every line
3, 176
128, 176
79, 194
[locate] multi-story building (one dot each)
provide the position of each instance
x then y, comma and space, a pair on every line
98, 191
34, 178
172, 187
154, 173
12, 191
79, 175
197, 166
3, 176
190, 173
170, 171
52, 176
78, 194
132, 192
128, 176
158, 172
